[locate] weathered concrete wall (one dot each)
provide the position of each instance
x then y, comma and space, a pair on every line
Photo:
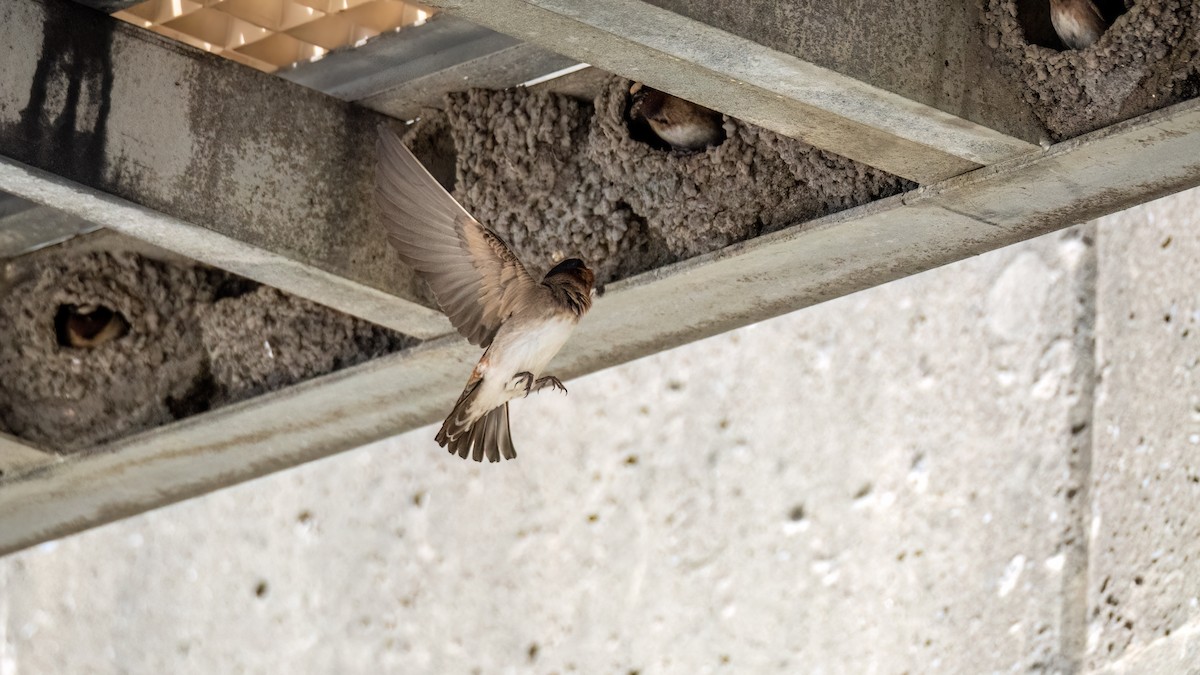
923, 477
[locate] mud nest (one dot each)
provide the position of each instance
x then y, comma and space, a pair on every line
1147, 59
190, 338
558, 177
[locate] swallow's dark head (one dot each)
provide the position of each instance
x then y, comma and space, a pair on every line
567, 265
576, 269
644, 102
573, 283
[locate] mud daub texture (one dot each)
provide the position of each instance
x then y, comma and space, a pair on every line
558, 177
1147, 59
197, 338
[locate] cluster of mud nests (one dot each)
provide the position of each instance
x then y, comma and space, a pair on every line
1148, 58
558, 177
96, 346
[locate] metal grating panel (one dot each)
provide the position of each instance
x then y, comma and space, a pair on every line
272, 34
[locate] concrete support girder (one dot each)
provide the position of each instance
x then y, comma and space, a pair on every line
221, 163
865, 121
1099, 173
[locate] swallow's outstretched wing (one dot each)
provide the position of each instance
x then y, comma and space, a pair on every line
477, 279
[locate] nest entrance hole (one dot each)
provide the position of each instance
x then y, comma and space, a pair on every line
88, 326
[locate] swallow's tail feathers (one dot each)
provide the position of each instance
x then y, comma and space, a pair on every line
495, 436
484, 436
458, 422
488, 437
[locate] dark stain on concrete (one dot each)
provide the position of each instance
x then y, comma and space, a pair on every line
68, 138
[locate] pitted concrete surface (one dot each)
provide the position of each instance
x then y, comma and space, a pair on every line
1145, 578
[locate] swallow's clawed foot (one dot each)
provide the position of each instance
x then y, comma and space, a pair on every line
549, 381
525, 378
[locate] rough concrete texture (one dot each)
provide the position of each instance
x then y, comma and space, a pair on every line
1175, 655
558, 177
883, 483
1147, 59
197, 338
1145, 570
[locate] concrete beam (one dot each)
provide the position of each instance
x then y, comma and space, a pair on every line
399, 73
191, 152
1102, 172
901, 515
862, 121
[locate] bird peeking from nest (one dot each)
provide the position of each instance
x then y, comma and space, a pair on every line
89, 326
487, 294
681, 124
1078, 22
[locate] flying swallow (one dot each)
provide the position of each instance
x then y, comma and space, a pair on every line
1078, 22
487, 294
682, 124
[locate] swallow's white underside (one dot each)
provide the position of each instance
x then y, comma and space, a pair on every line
519, 347
683, 135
